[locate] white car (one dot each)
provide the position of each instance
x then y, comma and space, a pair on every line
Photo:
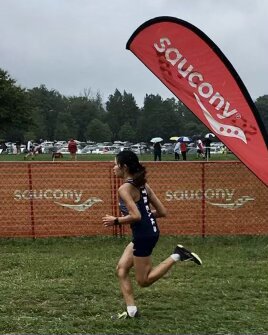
88, 149
137, 149
105, 150
47, 147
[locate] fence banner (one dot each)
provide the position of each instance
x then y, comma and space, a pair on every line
41, 199
199, 74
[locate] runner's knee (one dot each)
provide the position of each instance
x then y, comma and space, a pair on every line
143, 282
121, 271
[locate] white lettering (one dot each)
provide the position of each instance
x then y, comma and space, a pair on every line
163, 40
189, 195
170, 59
184, 73
192, 76
205, 87
57, 194
173, 56
208, 194
199, 194
169, 196
215, 97
78, 195
230, 194
178, 195
26, 195
17, 195
225, 113
49, 194
46, 194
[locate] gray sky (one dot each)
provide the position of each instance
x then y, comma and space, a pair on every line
72, 45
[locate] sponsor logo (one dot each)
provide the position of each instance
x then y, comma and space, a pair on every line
234, 205
81, 207
59, 197
170, 56
211, 196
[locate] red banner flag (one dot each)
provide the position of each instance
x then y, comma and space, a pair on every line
198, 73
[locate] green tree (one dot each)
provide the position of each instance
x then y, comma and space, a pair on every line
66, 128
131, 111
98, 131
15, 108
47, 105
84, 110
115, 113
158, 118
121, 109
127, 133
190, 124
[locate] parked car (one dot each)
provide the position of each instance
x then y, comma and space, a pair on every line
218, 145
88, 149
192, 151
47, 147
167, 148
138, 149
215, 150
105, 150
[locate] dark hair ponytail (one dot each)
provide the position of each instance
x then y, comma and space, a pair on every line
131, 160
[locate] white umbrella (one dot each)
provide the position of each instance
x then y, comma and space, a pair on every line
156, 139
184, 139
209, 135
174, 138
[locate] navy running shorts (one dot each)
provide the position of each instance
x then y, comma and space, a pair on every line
143, 246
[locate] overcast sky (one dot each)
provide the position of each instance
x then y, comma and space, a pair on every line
72, 45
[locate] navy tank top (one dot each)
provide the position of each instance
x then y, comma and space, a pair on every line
147, 225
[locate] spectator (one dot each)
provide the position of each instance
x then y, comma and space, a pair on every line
3, 146
18, 144
177, 150
224, 150
200, 149
183, 150
37, 149
207, 142
157, 151
72, 148
13, 148
29, 148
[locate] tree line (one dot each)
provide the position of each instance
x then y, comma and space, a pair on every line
39, 113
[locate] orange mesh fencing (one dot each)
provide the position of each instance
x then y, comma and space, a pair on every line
40, 199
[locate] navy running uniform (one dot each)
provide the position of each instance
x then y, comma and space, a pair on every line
145, 232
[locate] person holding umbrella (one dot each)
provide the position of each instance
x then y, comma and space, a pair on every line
207, 142
177, 150
183, 146
157, 148
183, 150
157, 151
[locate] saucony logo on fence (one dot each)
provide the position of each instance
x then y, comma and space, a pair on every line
48, 194
238, 203
56, 195
211, 196
81, 207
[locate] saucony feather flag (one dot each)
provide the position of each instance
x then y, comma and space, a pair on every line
199, 74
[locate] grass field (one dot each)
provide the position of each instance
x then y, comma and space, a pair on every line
107, 157
68, 286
